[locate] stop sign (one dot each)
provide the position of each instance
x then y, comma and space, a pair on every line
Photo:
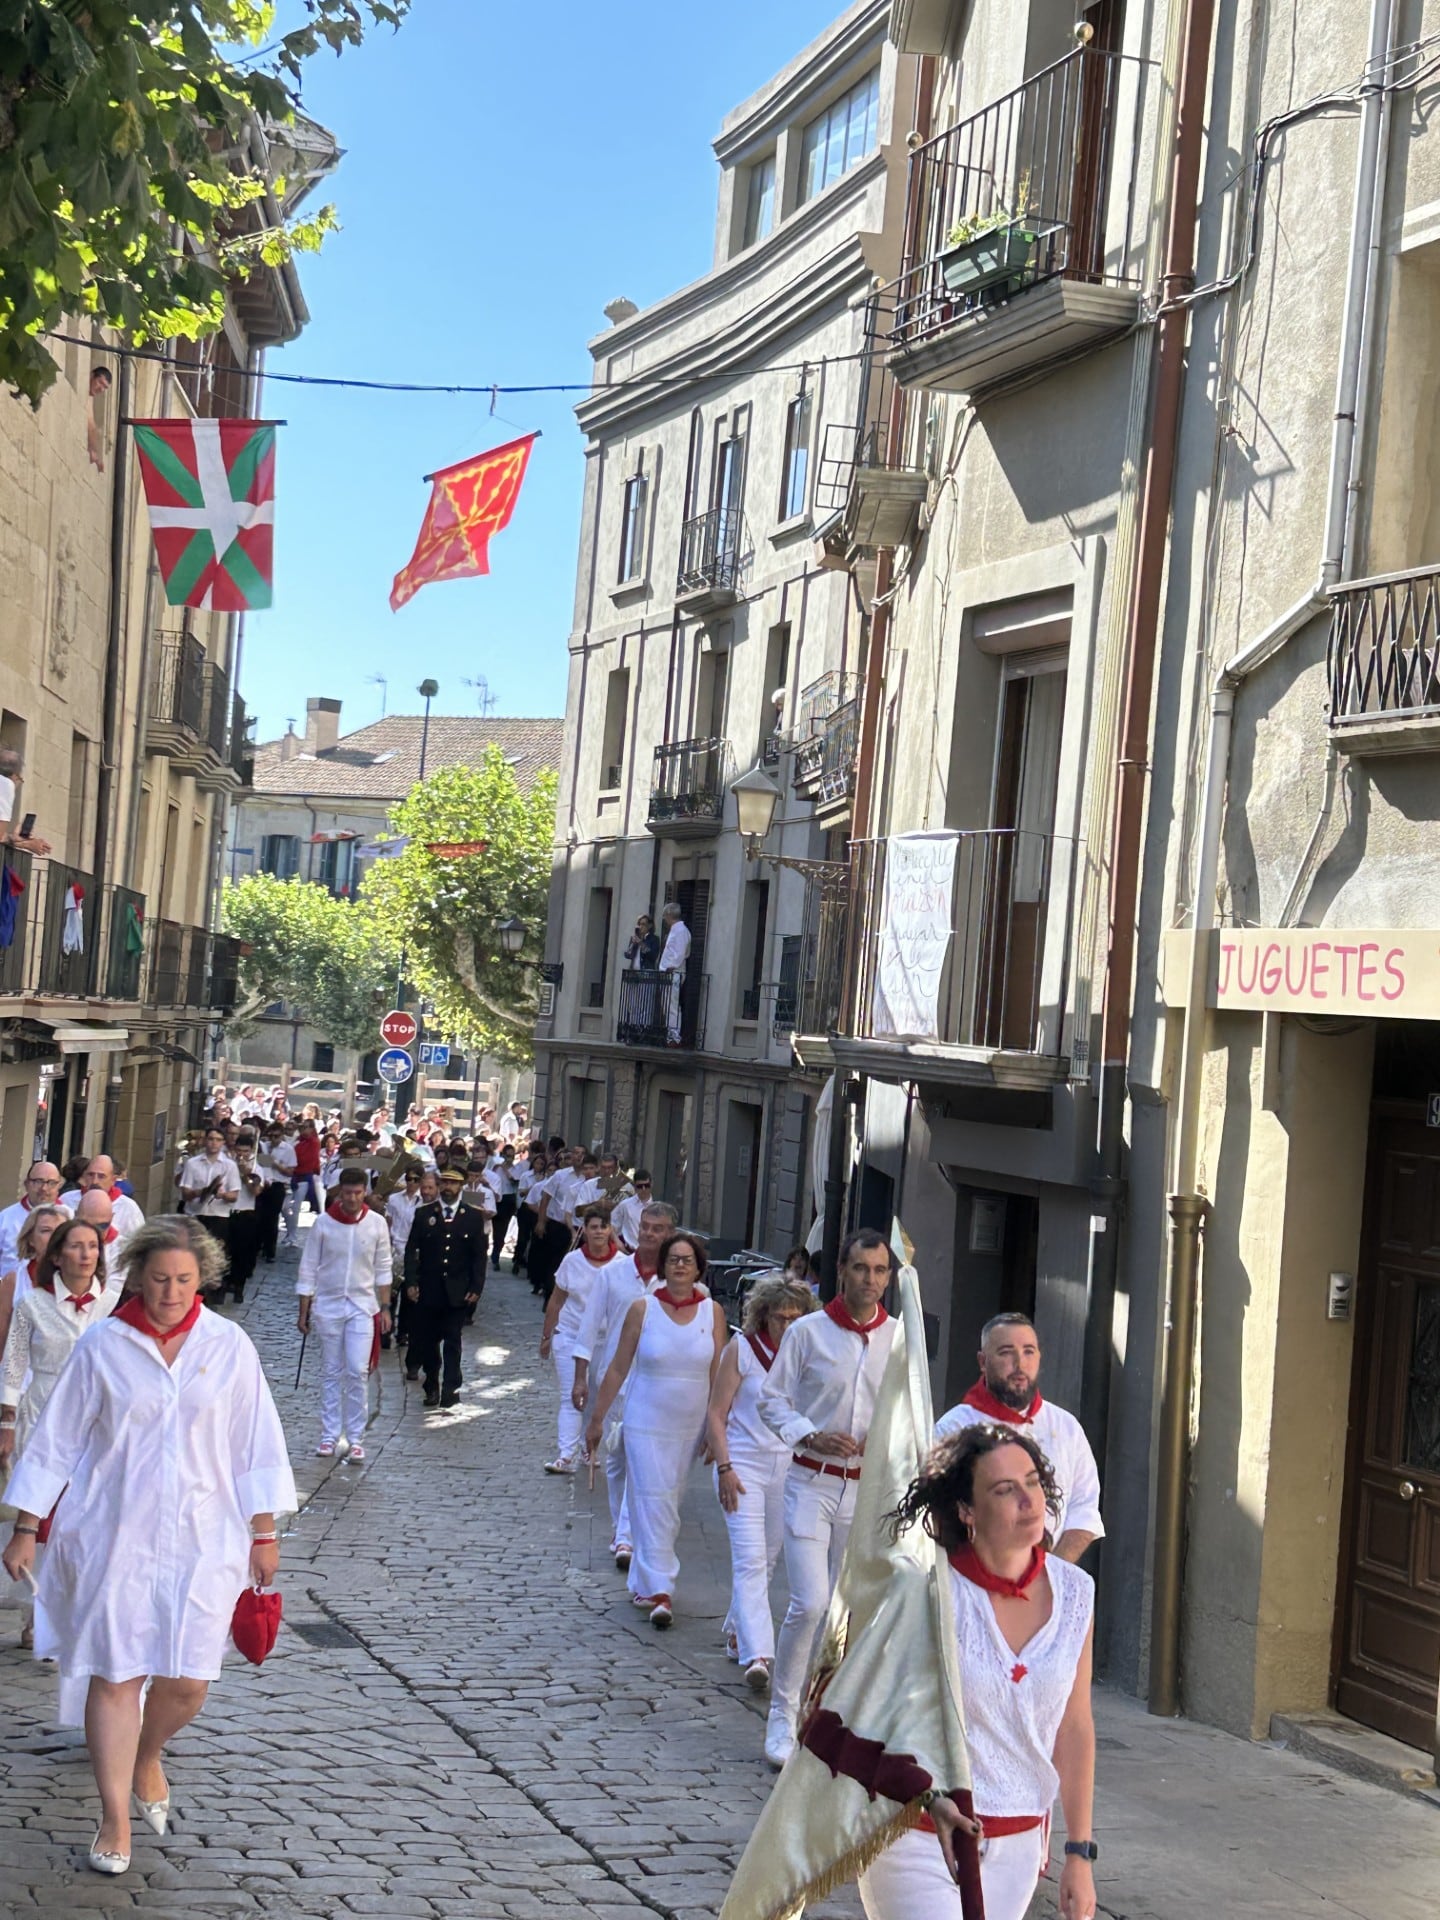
399, 1028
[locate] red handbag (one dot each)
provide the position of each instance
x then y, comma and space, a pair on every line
256, 1624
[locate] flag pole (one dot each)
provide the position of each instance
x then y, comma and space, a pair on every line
426, 478
129, 420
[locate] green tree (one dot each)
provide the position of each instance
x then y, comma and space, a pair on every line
321, 954
123, 186
444, 912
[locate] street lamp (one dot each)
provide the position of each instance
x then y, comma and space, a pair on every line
512, 936
756, 798
427, 690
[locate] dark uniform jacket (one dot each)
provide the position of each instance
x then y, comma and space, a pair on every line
446, 1260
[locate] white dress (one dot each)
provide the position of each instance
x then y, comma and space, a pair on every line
1014, 1703
162, 1468
666, 1396
577, 1278
43, 1334
757, 1527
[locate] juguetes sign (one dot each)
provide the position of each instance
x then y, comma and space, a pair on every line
1384, 973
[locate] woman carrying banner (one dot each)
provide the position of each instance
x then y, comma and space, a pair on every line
1024, 1621
669, 1350
163, 1438
751, 1462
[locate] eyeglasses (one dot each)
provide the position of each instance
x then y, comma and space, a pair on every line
642, 1186
682, 1260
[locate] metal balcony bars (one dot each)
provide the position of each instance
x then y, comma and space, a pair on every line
657, 1010
711, 551
1019, 193
1383, 656
689, 780
177, 692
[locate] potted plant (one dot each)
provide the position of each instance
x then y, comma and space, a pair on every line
982, 250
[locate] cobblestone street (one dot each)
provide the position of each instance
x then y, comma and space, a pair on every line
463, 1715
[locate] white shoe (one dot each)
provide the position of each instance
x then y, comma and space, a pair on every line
565, 1464
757, 1675
155, 1813
325, 1450
355, 1455
106, 1862
779, 1741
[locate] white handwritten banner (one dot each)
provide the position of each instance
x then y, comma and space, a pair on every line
915, 928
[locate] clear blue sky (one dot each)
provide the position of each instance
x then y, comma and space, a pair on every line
505, 175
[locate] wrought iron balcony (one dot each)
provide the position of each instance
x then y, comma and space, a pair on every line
687, 792
176, 717
711, 558
978, 994
125, 951
871, 472
821, 703
71, 938
659, 1010
224, 973
197, 969
168, 961
1384, 663
1022, 242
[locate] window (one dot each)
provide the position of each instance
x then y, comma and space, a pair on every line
797, 458
772, 713
632, 530
597, 946
754, 916
280, 855
322, 1057
728, 489
612, 745
759, 200
337, 860
838, 139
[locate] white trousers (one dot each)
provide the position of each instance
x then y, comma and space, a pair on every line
346, 1334
819, 1508
757, 1533
656, 1468
571, 1425
614, 1458
910, 1880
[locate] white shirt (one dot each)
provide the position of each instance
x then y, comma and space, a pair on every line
562, 1188
509, 1127
198, 1171
7, 797
125, 1214
481, 1196
342, 1265
676, 950
501, 1178
12, 1220
577, 1277
282, 1157
625, 1219
1061, 1438
400, 1213
620, 1285
825, 1379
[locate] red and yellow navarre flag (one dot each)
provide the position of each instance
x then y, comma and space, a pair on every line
210, 487
468, 503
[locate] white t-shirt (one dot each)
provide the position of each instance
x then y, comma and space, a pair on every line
676, 950
198, 1171
1061, 1438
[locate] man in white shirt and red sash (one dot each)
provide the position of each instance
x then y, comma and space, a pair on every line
126, 1214
819, 1397
344, 1289
42, 1189
1007, 1394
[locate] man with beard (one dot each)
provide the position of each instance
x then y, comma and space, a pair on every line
1007, 1394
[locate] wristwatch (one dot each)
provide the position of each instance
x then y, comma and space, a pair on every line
1083, 1849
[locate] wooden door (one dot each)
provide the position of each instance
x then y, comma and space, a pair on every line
1389, 1640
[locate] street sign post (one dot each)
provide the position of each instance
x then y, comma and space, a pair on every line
434, 1054
395, 1065
398, 1028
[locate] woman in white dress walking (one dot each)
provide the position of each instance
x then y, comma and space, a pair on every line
1024, 1621
751, 1462
67, 1292
164, 1440
670, 1347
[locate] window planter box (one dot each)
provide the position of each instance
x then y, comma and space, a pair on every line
1002, 254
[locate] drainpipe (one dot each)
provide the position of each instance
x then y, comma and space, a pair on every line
1132, 764
1188, 1207
110, 702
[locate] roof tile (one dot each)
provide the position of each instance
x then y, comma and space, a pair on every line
382, 761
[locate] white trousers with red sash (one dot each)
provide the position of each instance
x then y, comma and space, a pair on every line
910, 1880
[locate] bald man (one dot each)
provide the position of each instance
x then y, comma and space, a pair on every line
96, 1210
42, 1189
99, 1177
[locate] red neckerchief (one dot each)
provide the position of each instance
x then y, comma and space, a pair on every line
79, 1301
132, 1312
763, 1351
25, 1202
117, 1193
968, 1563
842, 1316
334, 1213
111, 1233
644, 1274
614, 1249
664, 1295
984, 1401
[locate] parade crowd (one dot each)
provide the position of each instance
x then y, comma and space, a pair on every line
148, 1498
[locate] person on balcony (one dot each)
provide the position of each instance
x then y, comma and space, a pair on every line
1008, 1394
11, 770
643, 951
819, 1397
673, 958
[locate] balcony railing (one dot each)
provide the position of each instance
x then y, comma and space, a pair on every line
659, 1010
820, 975
197, 969
215, 728
871, 471
224, 973
69, 930
168, 949
70, 938
997, 977
825, 699
688, 785
1384, 652
177, 690
839, 751
1025, 191
241, 753
711, 554
125, 951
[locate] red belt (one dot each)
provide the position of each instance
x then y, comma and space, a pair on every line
826, 1466
996, 1825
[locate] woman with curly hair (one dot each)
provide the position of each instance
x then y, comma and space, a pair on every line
163, 1438
751, 1461
1024, 1622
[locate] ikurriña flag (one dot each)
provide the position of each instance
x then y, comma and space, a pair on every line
468, 503
883, 1721
210, 487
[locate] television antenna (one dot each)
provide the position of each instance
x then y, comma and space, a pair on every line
484, 699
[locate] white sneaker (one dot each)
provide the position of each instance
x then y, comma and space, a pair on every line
565, 1464
326, 1450
779, 1741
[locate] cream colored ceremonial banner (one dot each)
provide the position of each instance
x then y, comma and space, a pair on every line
915, 930
1383, 973
883, 1708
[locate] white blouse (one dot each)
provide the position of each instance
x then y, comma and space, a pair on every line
1014, 1702
746, 1431
43, 1332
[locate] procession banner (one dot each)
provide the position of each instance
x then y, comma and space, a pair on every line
915, 931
